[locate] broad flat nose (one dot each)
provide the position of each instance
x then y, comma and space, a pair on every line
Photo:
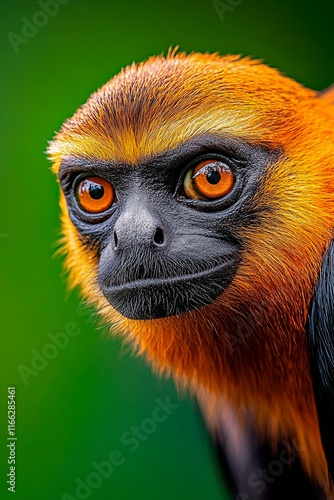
139, 226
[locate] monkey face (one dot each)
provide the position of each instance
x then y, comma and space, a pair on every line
168, 228
181, 180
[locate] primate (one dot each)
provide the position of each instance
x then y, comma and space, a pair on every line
197, 200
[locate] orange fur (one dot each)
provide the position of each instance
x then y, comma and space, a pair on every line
249, 347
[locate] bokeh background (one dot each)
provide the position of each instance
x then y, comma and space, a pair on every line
74, 407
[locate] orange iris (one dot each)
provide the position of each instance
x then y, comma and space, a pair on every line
211, 179
95, 194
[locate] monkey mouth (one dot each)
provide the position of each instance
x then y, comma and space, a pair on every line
153, 298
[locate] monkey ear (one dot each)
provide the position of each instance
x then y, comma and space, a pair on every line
327, 94
321, 348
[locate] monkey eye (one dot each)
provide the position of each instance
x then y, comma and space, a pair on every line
210, 179
95, 194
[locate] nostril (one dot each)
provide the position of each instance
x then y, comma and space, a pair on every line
115, 239
159, 236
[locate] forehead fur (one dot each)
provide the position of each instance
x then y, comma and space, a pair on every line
153, 106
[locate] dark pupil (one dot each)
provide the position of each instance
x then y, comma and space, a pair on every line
213, 177
96, 191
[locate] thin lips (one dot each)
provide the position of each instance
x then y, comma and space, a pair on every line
144, 283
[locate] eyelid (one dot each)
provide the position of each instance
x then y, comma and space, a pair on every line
69, 180
207, 168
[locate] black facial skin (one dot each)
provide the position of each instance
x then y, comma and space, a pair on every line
161, 253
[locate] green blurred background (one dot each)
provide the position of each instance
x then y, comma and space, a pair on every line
73, 409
